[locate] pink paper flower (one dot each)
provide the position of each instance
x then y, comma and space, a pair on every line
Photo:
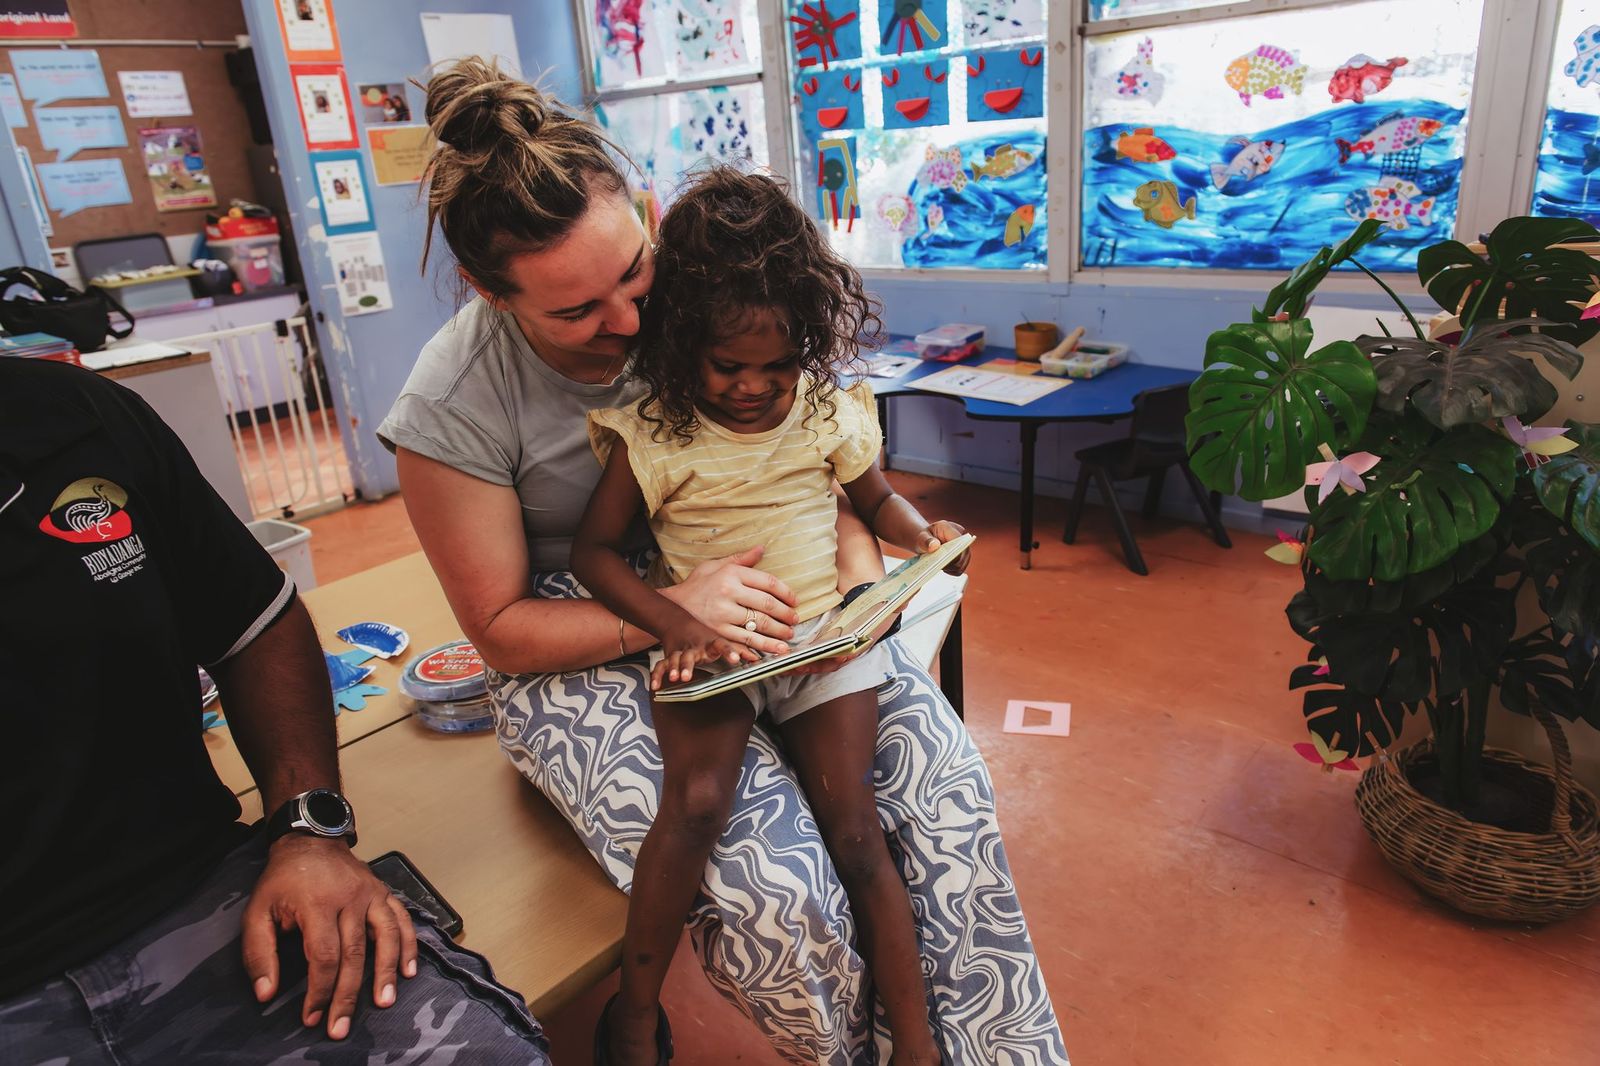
1537, 442
1346, 471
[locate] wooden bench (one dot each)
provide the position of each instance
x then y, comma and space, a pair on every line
531, 898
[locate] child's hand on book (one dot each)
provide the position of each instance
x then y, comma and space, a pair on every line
682, 650
942, 532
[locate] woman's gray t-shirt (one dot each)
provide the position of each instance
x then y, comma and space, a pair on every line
482, 401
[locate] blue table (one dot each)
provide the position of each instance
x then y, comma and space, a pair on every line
1106, 398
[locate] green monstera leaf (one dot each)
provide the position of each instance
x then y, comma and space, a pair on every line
1490, 376
1559, 671
1569, 484
1522, 271
1346, 720
1562, 567
1294, 292
1431, 493
1263, 404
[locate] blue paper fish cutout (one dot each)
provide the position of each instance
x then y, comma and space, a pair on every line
380, 638
342, 673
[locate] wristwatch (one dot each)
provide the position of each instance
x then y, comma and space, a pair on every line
321, 812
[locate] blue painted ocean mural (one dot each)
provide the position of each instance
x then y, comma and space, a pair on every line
1567, 183
980, 203
1269, 198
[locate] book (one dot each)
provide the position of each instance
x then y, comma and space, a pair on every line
851, 631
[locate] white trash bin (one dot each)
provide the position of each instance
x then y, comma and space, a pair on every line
290, 547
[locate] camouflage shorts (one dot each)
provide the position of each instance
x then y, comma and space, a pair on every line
176, 992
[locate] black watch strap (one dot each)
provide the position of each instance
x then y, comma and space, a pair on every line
296, 815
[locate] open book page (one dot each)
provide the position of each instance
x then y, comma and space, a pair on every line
850, 632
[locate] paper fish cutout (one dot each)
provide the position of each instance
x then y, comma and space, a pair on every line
916, 94
1267, 71
1019, 225
1394, 201
1361, 77
1160, 203
1538, 443
830, 101
1003, 162
343, 673
830, 32
1002, 85
1394, 132
1319, 754
837, 193
355, 697
1345, 472
1592, 308
914, 24
1143, 146
943, 170
1253, 159
1288, 551
1139, 78
1584, 68
896, 213
381, 639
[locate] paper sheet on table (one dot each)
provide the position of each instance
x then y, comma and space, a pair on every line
128, 354
890, 366
450, 37
977, 384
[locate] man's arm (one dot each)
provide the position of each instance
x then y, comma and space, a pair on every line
280, 711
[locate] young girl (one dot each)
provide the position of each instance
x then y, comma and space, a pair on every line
737, 443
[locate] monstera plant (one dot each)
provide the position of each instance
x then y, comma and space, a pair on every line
1436, 497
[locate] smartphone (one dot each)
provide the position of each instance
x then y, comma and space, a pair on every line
397, 871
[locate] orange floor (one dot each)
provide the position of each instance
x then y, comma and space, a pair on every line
1197, 893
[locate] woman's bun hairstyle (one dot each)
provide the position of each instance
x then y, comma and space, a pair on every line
513, 171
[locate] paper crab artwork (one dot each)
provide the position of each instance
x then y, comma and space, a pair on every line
830, 101
911, 25
839, 198
1005, 84
916, 94
826, 32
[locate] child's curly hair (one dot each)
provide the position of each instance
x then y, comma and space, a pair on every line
732, 246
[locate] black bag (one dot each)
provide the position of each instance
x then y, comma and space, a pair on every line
62, 311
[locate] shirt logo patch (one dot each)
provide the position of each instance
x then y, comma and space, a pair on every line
93, 511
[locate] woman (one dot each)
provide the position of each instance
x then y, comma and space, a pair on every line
496, 468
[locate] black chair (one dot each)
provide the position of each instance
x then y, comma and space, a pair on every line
1155, 443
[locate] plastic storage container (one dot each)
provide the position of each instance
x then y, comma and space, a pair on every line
251, 247
447, 689
290, 547
1091, 359
950, 343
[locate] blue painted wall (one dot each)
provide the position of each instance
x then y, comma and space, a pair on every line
369, 356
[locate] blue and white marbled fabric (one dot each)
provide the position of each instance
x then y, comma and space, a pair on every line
772, 924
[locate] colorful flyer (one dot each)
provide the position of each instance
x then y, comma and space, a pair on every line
383, 102
176, 167
84, 183
38, 18
362, 278
342, 188
155, 93
46, 75
399, 153
324, 98
70, 130
11, 102
309, 33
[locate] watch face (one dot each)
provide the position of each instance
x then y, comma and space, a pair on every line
327, 811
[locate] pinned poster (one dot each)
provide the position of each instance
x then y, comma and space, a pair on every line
11, 103
362, 278
342, 188
70, 130
50, 74
911, 25
1005, 84
176, 166
309, 33
40, 18
325, 111
453, 37
399, 153
627, 46
383, 102
830, 100
77, 186
915, 95
35, 197
155, 93
826, 32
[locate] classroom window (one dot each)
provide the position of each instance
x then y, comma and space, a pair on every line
1251, 142
677, 84
1567, 181
920, 129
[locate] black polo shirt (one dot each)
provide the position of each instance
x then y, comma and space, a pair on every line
120, 570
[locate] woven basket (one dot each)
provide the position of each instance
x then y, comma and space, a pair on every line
1482, 869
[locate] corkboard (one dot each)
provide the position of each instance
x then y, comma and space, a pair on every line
218, 113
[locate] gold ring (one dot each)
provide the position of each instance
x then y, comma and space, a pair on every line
749, 621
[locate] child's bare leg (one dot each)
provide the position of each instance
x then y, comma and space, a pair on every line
702, 749
832, 748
